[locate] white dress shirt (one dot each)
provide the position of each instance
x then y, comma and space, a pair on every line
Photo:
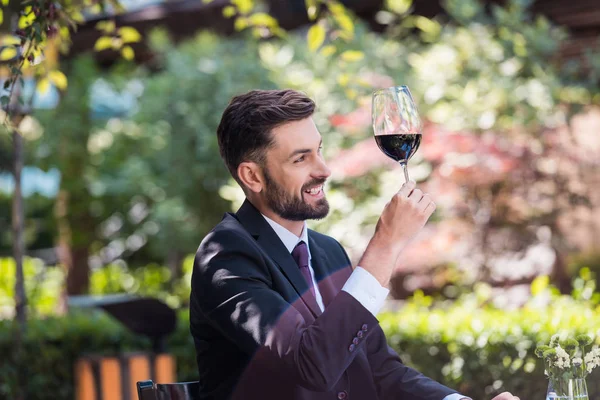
361, 284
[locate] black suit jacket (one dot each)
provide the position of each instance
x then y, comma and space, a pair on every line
259, 334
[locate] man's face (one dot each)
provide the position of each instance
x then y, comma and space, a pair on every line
295, 172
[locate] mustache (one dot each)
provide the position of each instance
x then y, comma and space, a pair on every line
315, 182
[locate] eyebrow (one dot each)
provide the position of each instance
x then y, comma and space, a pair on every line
303, 151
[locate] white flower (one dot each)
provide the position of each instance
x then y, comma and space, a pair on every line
577, 361
563, 359
592, 359
561, 353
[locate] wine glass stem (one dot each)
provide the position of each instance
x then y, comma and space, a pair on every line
405, 169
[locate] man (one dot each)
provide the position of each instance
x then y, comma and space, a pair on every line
276, 310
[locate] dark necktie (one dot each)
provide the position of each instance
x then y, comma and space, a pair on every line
300, 254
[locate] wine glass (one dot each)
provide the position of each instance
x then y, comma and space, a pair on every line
396, 124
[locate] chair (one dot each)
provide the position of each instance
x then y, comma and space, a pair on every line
148, 390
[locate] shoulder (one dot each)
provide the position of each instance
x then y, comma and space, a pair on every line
227, 235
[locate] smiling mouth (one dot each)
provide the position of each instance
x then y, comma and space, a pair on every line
315, 190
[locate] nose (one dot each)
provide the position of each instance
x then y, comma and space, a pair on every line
322, 170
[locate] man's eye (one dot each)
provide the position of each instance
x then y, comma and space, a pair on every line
299, 159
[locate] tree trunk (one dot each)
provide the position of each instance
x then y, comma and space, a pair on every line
560, 274
175, 262
74, 242
20, 327
17, 226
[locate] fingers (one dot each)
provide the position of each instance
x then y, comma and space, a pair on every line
416, 195
407, 188
427, 206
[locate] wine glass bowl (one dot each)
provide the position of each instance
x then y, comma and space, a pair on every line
396, 124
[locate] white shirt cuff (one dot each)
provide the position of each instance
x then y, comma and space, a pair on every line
367, 290
455, 396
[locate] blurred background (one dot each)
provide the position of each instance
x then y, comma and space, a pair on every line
122, 176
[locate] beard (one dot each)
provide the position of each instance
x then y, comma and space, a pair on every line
291, 207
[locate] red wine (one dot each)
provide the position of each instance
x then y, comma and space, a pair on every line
399, 147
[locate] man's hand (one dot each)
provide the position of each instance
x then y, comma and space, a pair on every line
505, 396
401, 220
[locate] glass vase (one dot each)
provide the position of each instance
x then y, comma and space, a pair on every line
567, 389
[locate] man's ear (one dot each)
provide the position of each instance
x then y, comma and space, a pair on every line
250, 174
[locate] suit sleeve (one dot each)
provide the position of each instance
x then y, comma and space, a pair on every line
231, 287
393, 379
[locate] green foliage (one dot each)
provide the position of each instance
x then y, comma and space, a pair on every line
480, 350
51, 347
43, 284
158, 173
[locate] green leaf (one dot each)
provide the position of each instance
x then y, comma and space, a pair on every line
103, 43
398, 6
229, 11
1, 16
345, 23
106, 26
328, 50
352, 55
315, 37
240, 23
127, 53
129, 34
77, 16
8, 54
262, 19
539, 284
5, 2
58, 79
427, 25
43, 85
12, 40
244, 6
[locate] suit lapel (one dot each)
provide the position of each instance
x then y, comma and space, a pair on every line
260, 229
330, 278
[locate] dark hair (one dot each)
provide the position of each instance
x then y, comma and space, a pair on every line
244, 133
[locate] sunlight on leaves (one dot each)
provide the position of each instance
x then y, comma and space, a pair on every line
43, 85
129, 34
398, 6
539, 284
328, 50
315, 37
345, 22
103, 43
8, 53
244, 6
352, 55
127, 53
229, 11
106, 26
428, 25
26, 20
58, 79
262, 19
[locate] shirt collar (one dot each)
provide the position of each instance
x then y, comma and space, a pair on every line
289, 239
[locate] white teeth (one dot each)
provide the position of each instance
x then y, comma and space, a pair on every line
315, 190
